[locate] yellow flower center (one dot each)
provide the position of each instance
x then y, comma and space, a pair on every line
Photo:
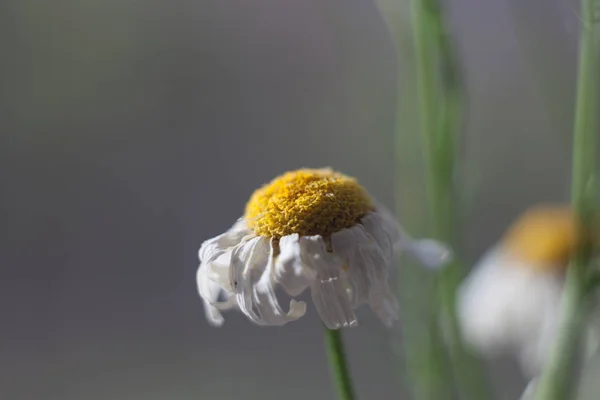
544, 236
307, 202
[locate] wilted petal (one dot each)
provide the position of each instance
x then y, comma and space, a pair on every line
345, 245
388, 222
210, 292
428, 252
213, 248
291, 272
505, 305
374, 226
266, 299
367, 271
248, 263
329, 291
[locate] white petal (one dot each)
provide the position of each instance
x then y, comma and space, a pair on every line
374, 225
535, 351
367, 271
384, 304
266, 300
389, 223
328, 292
428, 252
209, 292
537, 346
290, 270
218, 270
346, 243
484, 306
504, 305
248, 262
215, 247
332, 304
347, 240
356, 276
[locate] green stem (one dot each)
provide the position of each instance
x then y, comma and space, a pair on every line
560, 379
434, 381
441, 111
419, 344
339, 364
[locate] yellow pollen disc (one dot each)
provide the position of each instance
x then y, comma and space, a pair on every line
307, 202
544, 236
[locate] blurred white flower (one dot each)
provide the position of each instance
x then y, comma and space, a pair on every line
308, 229
511, 300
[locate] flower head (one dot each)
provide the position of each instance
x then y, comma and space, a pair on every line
511, 299
308, 229
544, 237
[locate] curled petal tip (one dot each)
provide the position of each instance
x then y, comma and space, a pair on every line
431, 253
216, 323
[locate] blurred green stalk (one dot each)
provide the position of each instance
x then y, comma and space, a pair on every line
428, 363
440, 94
338, 364
560, 379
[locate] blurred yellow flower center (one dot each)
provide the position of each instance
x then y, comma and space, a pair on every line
544, 236
307, 202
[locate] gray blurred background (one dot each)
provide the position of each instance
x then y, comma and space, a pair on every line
131, 131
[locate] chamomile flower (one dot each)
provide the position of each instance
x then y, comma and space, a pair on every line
308, 229
511, 300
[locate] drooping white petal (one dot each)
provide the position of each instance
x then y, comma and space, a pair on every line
387, 221
367, 271
331, 301
329, 290
213, 248
504, 305
484, 306
374, 225
345, 244
291, 272
248, 263
219, 269
266, 299
210, 292
534, 350
428, 252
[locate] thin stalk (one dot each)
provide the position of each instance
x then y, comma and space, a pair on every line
467, 369
418, 343
339, 364
441, 112
560, 379
434, 381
